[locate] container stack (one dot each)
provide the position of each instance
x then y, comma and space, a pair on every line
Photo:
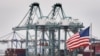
15, 52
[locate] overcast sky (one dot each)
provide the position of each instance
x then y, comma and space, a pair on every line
87, 11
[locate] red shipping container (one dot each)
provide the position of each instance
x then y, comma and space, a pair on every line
97, 49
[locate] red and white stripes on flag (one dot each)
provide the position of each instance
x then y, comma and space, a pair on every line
76, 41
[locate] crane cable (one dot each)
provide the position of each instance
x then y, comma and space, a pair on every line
24, 17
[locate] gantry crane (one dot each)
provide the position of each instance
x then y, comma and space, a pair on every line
48, 24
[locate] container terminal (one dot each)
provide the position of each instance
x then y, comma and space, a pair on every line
46, 35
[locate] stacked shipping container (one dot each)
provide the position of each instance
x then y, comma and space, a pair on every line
15, 52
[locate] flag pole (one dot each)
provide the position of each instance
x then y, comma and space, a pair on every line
90, 39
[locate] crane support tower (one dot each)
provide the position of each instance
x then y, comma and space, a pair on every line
49, 26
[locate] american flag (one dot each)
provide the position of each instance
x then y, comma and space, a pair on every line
80, 39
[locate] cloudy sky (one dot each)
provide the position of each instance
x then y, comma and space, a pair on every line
87, 11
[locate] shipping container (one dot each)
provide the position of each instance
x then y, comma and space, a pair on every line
15, 52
